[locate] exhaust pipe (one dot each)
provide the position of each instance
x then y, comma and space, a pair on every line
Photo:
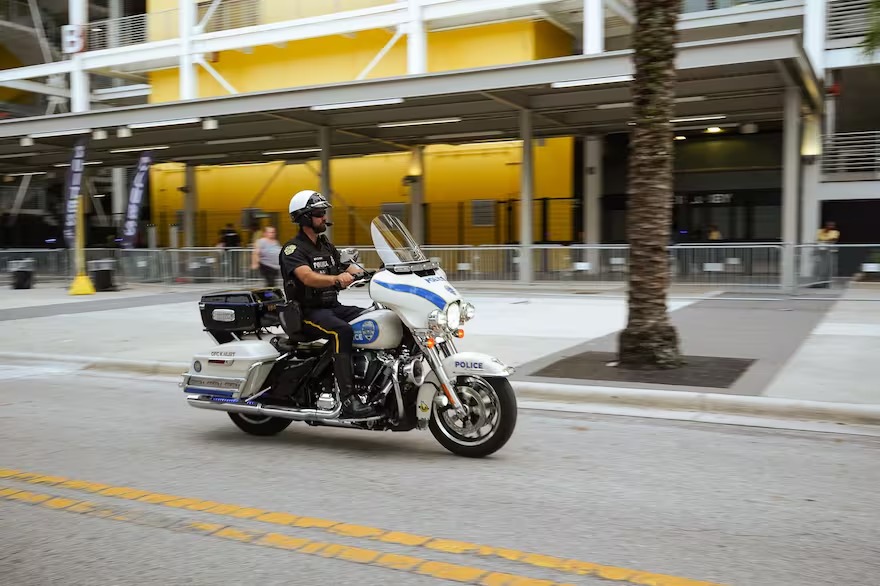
259, 410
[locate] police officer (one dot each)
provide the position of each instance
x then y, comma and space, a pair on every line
313, 273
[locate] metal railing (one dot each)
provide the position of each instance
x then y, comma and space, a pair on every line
729, 266
702, 5
225, 15
829, 265
732, 268
848, 19
852, 152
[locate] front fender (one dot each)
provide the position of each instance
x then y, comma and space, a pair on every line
476, 363
460, 364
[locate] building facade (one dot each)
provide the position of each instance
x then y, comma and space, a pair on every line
754, 162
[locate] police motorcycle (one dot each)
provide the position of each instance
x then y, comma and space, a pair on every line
405, 361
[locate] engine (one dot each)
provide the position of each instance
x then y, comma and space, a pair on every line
372, 371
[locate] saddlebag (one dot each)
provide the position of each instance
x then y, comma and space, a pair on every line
230, 315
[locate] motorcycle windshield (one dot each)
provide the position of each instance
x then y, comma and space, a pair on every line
394, 244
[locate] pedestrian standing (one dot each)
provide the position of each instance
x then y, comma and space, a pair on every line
266, 255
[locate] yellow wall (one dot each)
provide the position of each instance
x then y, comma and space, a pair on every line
453, 173
8, 61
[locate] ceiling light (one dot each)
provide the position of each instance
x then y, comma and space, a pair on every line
198, 158
123, 132
239, 140
140, 149
165, 123
713, 129
686, 99
60, 133
680, 137
100, 195
87, 163
700, 118
593, 81
99, 135
210, 124
364, 104
26, 174
614, 106
292, 152
418, 122
15, 155
25, 141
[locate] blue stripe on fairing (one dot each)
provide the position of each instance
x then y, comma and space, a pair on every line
423, 293
210, 392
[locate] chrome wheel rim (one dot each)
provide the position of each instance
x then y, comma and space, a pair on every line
482, 417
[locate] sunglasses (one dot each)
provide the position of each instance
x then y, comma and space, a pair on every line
319, 213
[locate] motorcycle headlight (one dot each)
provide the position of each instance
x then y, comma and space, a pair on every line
468, 312
437, 320
453, 316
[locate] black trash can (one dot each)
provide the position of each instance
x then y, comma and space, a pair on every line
22, 273
101, 273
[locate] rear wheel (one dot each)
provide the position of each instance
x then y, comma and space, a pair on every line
260, 425
488, 423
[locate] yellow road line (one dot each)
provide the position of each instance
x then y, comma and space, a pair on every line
625, 575
335, 551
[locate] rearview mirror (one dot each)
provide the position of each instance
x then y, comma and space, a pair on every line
349, 255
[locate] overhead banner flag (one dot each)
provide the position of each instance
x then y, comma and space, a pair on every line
135, 197
73, 187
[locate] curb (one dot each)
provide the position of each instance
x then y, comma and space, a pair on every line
148, 367
602, 398
709, 403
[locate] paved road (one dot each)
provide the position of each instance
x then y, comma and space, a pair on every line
108, 479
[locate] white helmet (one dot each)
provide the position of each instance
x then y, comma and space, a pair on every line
305, 202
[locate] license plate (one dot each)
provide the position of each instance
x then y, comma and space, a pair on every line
209, 383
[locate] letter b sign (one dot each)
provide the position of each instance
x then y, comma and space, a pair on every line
72, 38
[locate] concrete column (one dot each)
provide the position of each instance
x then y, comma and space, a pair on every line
811, 149
326, 187
78, 15
416, 175
594, 27
120, 198
791, 173
190, 205
592, 204
417, 40
815, 15
187, 23
527, 186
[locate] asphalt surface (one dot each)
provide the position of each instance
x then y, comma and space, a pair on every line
186, 498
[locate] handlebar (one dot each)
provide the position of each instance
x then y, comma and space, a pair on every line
360, 281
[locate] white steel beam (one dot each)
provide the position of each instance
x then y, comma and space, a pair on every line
121, 92
188, 76
37, 88
32, 71
844, 58
594, 27
380, 55
416, 40
78, 16
216, 75
622, 9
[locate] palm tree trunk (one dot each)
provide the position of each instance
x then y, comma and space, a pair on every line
650, 340
872, 39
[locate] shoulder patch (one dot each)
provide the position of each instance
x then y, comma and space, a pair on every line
289, 249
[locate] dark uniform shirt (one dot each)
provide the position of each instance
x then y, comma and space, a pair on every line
322, 257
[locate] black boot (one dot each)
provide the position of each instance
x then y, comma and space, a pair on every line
353, 406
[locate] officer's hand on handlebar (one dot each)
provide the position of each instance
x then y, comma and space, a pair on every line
343, 280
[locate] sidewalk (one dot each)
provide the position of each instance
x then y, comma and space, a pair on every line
805, 350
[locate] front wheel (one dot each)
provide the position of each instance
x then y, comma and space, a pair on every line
256, 425
488, 424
